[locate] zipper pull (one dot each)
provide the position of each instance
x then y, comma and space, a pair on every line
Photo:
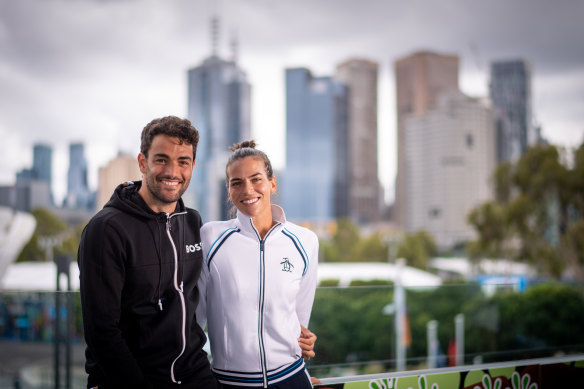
160, 304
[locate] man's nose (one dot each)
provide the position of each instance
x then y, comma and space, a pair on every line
171, 169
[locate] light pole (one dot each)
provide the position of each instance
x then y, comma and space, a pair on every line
62, 263
432, 337
459, 338
399, 302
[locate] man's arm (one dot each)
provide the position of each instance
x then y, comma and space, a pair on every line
102, 274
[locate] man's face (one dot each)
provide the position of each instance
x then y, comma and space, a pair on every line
167, 172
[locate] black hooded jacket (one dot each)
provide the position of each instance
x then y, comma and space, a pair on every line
139, 272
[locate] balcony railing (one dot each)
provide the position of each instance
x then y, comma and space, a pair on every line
363, 331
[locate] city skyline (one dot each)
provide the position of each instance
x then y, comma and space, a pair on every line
66, 78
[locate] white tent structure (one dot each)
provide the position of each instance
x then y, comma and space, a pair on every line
16, 228
43, 275
37, 276
346, 272
463, 267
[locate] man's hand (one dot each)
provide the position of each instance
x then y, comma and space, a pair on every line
306, 342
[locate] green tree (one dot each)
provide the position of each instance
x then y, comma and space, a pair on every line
47, 225
417, 249
537, 216
490, 221
371, 249
572, 219
543, 320
71, 242
350, 325
545, 317
342, 246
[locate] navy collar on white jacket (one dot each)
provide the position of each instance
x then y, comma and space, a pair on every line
246, 223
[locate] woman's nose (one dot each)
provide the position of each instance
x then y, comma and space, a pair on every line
247, 186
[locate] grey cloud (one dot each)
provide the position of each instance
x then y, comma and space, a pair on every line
79, 69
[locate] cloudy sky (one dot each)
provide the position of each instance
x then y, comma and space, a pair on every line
97, 71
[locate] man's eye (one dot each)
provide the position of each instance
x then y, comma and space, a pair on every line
235, 183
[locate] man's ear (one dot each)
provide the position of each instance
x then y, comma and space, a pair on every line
142, 163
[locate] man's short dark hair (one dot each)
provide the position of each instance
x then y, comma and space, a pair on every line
170, 126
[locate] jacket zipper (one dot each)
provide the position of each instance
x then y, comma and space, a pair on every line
179, 289
261, 302
261, 316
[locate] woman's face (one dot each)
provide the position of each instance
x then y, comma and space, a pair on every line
249, 188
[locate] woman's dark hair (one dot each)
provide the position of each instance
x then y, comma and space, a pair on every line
247, 149
170, 126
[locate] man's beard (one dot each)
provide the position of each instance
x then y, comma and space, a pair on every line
154, 189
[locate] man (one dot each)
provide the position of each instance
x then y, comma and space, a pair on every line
140, 258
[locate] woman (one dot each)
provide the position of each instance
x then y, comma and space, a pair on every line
258, 282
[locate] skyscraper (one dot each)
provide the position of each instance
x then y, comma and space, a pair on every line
42, 162
42, 165
78, 193
450, 152
510, 90
219, 107
317, 168
33, 185
364, 192
121, 168
420, 79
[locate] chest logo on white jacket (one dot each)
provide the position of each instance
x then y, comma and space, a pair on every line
191, 248
287, 266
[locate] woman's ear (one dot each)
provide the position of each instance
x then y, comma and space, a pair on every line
274, 185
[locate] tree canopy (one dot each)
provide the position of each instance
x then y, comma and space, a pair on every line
347, 245
537, 216
48, 225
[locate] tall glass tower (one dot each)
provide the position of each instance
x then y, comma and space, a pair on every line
78, 194
510, 90
219, 107
42, 163
315, 183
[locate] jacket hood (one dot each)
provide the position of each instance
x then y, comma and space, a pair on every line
127, 199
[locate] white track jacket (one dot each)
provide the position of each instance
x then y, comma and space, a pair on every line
254, 295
